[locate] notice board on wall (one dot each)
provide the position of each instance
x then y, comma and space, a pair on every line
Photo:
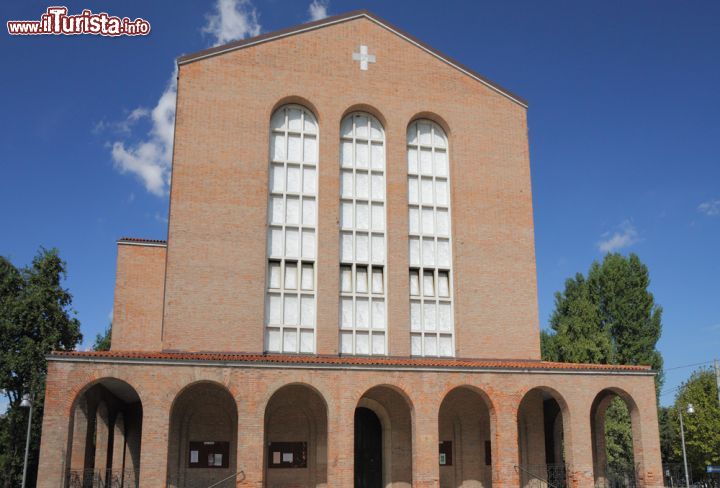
287, 455
209, 454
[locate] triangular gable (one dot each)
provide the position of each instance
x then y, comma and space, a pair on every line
328, 21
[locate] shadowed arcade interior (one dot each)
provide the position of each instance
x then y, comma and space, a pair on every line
386, 406
541, 439
464, 429
296, 438
202, 442
105, 433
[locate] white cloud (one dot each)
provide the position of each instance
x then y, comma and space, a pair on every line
624, 237
232, 20
317, 9
711, 208
123, 126
150, 159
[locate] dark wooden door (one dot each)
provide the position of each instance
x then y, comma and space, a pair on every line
368, 449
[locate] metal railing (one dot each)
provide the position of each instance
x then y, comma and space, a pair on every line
542, 475
101, 478
622, 477
231, 477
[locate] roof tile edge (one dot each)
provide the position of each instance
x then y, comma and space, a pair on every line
137, 241
401, 362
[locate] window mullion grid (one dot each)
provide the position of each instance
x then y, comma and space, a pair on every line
283, 225
368, 265
421, 204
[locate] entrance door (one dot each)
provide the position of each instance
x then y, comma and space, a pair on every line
368, 449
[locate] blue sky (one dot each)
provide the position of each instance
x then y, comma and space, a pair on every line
624, 135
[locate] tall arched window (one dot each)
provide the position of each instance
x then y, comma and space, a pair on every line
362, 236
292, 224
431, 311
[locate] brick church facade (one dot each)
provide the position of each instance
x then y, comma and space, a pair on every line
347, 293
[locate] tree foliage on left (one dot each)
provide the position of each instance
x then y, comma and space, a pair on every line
36, 317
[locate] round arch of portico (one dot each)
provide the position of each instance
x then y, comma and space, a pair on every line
385, 417
475, 389
555, 394
185, 387
528, 450
458, 449
601, 401
308, 422
620, 392
399, 389
83, 385
270, 393
121, 389
183, 411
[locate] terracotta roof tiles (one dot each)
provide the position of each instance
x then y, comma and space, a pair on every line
347, 361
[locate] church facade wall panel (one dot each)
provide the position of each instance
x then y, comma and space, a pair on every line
138, 305
341, 389
218, 212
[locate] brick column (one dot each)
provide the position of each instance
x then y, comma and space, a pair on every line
102, 438
54, 439
341, 439
505, 451
426, 466
251, 438
79, 437
578, 443
597, 417
118, 457
154, 441
646, 438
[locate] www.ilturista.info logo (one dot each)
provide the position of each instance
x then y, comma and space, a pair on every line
57, 21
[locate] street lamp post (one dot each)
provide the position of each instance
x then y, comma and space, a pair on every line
27, 402
690, 410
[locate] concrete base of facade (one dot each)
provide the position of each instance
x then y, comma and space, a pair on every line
500, 424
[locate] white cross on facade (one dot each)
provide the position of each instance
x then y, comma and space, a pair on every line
363, 57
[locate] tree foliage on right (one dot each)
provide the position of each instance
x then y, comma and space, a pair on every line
104, 340
702, 427
608, 317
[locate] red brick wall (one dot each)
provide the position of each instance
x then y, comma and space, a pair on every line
217, 236
139, 286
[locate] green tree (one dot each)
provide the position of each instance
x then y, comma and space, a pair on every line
668, 437
36, 317
608, 317
627, 310
578, 334
103, 341
702, 428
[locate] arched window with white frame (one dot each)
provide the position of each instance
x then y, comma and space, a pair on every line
432, 329
363, 328
292, 227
